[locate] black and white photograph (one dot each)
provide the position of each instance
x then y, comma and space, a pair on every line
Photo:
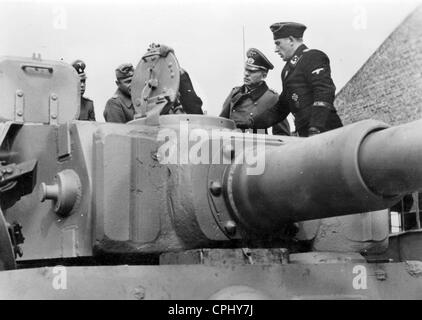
198, 150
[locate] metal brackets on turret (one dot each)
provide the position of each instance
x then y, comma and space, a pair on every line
16, 179
155, 83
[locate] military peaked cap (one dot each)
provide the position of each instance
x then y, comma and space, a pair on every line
124, 71
287, 29
257, 61
79, 66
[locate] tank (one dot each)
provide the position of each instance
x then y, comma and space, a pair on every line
180, 206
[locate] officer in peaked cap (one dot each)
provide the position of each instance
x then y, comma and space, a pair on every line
257, 61
308, 89
254, 96
119, 107
87, 105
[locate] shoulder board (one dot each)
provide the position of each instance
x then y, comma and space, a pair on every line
115, 96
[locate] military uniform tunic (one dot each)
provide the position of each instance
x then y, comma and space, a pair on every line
87, 110
119, 108
189, 100
308, 93
242, 104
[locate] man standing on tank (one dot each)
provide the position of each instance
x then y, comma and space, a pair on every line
119, 107
87, 105
308, 89
254, 96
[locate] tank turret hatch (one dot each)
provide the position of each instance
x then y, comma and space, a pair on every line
155, 83
39, 91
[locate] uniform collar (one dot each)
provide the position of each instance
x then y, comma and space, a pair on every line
297, 55
125, 98
257, 92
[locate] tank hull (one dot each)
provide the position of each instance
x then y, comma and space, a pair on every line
168, 282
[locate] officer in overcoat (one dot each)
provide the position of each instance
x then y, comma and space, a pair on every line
119, 107
254, 96
308, 89
87, 105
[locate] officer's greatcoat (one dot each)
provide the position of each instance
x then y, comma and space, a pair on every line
240, 104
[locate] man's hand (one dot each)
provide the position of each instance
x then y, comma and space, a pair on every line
165, 50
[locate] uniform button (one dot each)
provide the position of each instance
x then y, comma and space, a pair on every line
255, 103
251, 114
233, 110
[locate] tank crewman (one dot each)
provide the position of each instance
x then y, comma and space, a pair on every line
254, 96
87, 105
308, 90
119, 107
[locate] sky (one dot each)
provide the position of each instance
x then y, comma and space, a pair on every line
209, 37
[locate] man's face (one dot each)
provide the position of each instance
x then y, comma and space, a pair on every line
284, 48
253, 77
83, 86
124, 85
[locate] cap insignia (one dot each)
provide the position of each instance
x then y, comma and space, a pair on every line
250, 61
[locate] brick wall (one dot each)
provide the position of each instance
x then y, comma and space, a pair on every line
388, 87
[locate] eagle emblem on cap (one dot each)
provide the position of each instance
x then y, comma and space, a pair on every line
252, 53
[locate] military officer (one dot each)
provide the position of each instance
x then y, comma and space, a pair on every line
254, 96
87, 105
308, 90
119, 107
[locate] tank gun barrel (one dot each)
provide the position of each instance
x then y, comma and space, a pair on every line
391, 160
358, 168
